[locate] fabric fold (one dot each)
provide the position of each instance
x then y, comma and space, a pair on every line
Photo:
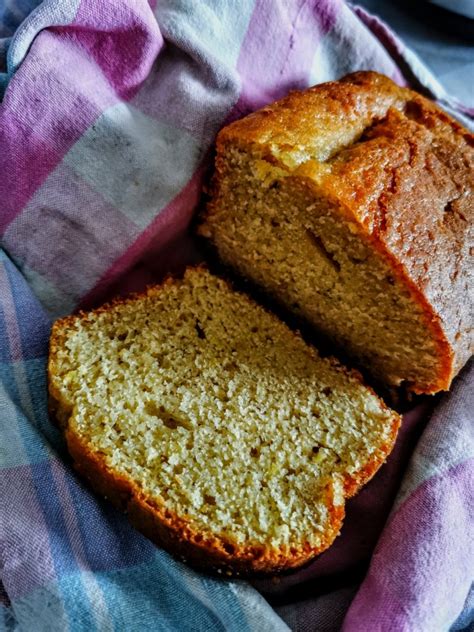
109, 113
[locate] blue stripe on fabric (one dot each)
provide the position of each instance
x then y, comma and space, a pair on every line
34, 325
209, 592
77, 604
48, 498
80, 591
36, 371
7, 621
213, 591
34, 449
232, 614
41, 610
465, 621
4, 344
21, 443
12, 14
12, 452
161, 600
108, 539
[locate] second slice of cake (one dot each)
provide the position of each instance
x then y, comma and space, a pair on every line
225, 437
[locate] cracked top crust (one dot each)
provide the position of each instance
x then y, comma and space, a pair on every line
401, 170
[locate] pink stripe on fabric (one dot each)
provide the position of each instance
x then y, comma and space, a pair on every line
41, 116
421, 571
25, 552
45, 109
169, 223
290, 32
125, 47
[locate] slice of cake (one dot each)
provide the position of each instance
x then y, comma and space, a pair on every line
351, 203
225, 437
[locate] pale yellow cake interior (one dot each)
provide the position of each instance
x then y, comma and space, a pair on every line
301, 248
215, 409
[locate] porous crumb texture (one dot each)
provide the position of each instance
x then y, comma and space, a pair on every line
220, 417
351, 203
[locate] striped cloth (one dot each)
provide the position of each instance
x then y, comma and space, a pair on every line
109, 112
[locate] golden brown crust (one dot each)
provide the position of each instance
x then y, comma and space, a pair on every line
176, 534
179, 536
192, 545
380, 146
321, 120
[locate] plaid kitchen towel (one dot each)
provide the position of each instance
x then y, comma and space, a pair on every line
109, 111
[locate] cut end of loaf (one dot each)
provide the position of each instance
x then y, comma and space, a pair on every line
351, 204
226, 437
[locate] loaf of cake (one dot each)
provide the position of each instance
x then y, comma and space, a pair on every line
351, 203
225, 437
